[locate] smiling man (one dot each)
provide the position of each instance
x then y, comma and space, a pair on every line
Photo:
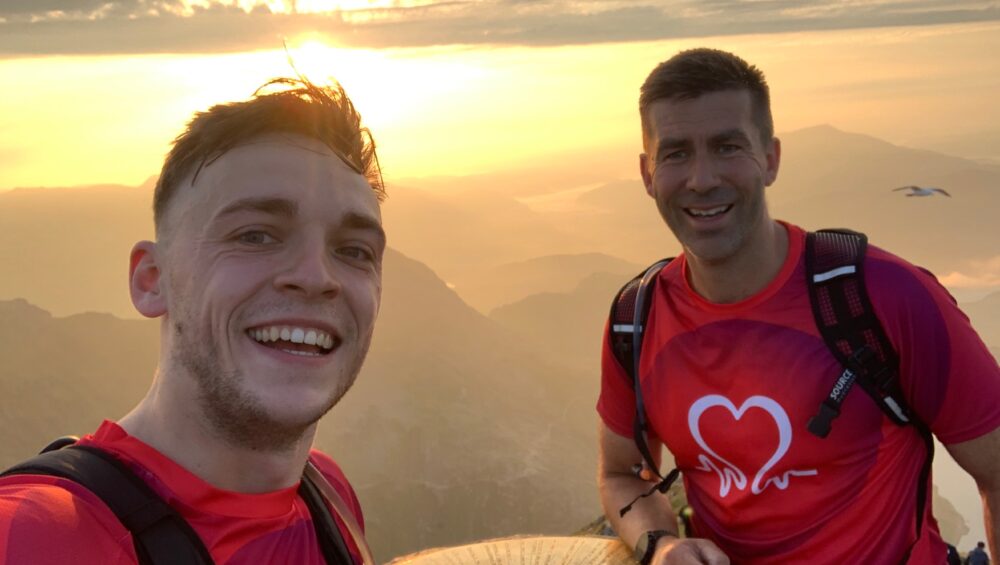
266, 276
754, 376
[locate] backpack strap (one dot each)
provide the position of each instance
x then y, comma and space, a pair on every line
629, 312
852, 331
331, 543
159, 533
846, 319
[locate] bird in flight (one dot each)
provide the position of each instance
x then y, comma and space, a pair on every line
920, 191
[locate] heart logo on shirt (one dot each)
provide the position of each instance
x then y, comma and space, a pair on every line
731, 475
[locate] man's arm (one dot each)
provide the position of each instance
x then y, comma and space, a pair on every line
618, 486
980, 457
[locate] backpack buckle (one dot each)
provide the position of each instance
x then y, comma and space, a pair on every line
820, 424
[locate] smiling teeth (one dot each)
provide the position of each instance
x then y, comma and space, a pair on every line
709, 212
308, 336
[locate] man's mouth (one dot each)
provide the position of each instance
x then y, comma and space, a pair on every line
304, 341
702, 213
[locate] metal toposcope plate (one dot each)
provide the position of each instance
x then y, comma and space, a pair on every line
527, 550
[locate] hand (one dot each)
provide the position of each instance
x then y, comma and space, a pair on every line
688, 551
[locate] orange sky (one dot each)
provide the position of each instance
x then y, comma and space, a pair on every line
71, 120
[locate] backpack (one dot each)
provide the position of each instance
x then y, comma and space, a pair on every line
845, 318
160, 534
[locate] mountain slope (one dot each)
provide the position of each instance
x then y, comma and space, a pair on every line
456, 430
504, 284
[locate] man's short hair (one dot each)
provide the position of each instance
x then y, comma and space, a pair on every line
282, 105
692, 73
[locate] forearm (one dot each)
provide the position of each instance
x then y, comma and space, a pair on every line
650, 513
991, 519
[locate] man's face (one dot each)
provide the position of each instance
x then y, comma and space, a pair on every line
707, 167
273, 269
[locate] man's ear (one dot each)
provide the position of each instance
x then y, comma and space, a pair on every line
647, 175
145, 282
773, 161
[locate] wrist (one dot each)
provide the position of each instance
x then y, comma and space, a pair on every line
645, 548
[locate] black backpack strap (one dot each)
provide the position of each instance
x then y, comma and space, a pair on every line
331, 542
159, 533
852, 331
846, 319
629, 312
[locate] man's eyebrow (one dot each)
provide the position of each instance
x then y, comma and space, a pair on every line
730, 135
669, 143
356, 221
273, 206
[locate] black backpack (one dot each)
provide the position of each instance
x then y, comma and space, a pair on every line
845, 318
160, 534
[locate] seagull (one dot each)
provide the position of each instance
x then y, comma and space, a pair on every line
920, 191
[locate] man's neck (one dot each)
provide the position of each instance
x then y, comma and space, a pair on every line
185, 436
746, 273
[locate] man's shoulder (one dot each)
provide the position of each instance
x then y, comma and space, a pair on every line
53, 520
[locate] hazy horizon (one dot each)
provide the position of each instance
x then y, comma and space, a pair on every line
508, 135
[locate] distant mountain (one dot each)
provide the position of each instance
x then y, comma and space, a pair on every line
67, 249
507, 283
831, 178
570, 323
63, 376
828, 178
470, 230
985, 317
456, 430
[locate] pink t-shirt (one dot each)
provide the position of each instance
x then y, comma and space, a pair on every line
729, 389
48, 520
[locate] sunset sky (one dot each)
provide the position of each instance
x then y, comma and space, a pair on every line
93, 91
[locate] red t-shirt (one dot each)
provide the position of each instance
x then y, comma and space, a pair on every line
48, 520
729, 389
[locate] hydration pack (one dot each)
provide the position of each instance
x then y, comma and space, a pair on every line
845, 318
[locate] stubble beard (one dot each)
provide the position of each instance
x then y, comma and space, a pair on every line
723, 246
237, 416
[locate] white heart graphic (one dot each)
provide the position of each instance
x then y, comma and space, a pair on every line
730, 474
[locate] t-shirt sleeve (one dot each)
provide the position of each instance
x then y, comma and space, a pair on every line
616, 403
52, 521
948, 375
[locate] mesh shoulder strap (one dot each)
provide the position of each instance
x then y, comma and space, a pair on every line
852, 331
160, 535
846, 319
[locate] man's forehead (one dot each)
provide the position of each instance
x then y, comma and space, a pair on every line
710, 114
276, 167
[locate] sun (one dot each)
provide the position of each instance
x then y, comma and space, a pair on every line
325, 6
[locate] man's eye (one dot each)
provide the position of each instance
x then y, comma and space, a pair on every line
727, 148
355, 252
256, 237
674, 156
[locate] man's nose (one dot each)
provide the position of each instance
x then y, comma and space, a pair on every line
310, 271
703, 174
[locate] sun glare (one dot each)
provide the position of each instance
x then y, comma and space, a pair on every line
324, 6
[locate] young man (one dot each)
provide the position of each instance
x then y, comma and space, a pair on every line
733, 366
266, 276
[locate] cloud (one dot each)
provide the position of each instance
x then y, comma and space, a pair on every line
979, 275
29, 27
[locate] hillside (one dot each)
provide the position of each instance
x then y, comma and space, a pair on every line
455, 427
508, 283
483, 238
